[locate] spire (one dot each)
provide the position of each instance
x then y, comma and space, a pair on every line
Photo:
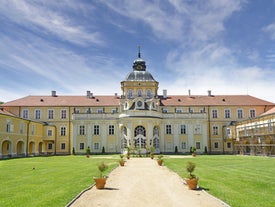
139, 56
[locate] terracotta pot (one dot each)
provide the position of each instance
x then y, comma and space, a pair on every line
192, 183
122, 163
100, 182
160, 162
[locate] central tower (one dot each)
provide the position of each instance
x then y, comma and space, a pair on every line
139, 89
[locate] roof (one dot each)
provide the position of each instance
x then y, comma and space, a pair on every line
219, 100
271, 111
5, 112
174, 100
139, 76
64, 101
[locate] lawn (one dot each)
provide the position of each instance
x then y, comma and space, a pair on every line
240, 181
47, 181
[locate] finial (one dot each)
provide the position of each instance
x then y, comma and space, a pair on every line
139, 51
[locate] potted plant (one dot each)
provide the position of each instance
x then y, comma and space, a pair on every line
121, 160
88, 152
160, 160
152, 151
193, 151
128, 153
192, 180
101, 180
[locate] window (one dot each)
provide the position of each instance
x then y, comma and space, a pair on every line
164, 111
50, 146
198, 145
191, 110
228, 144
228, 131
25, 114
63, 146
50, 132
183, 129
63, 131
183, 145
81, 146
8, 126
149, 93
99, 111
214, 113
37, 114
113, 111
216, 145
96, 146
252, 113
140, 130
197, 129
81, 130
111, 129
240, 113
96, 129
33, 129
269, 126
227, 113
130, 93
168, 129
139, 93
156, 143
178, 110
22, 126
50, 114
63, 114
215, 130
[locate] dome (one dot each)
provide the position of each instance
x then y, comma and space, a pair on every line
139, 76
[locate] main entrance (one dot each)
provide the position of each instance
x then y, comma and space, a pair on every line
140, 137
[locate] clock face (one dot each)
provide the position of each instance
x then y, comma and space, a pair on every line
139, 103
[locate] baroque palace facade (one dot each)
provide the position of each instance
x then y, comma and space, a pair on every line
139, 118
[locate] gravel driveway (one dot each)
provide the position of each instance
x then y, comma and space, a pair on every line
141, 182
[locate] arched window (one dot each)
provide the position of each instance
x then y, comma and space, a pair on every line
139, 93
156, 131
140, 130
130, 93
156, 143
149, 93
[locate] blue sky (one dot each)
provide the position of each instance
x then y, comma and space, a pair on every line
226, 46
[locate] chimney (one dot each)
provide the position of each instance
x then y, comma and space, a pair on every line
53, 93
116, 95
164, 93
209, 93
88, 94
189, 92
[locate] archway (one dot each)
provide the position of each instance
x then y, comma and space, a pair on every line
20, 148
31, 148
40, 148
6, 148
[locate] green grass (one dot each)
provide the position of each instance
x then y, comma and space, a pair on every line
240, 181
55, 181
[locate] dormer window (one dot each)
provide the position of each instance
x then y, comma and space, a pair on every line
139, 93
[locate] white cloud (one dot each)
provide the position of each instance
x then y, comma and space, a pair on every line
270, 29
41, 17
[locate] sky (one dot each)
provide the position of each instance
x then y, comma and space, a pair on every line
71, 46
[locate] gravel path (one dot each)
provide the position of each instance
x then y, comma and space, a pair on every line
141, 182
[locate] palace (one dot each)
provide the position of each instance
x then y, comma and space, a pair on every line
139, 118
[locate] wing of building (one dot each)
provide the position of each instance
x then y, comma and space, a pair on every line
139, 118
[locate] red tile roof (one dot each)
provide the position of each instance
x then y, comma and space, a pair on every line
5, 112
271, 111
65, 101
174, 100
219, 100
